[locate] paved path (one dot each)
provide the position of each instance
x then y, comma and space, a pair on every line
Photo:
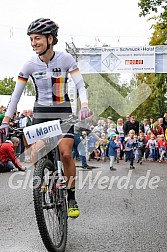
118, 214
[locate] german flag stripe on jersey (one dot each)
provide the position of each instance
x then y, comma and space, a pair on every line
21, 79
59, 88
75, 71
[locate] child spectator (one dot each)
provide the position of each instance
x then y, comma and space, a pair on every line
147, 137
134, 148
145, 126
140, 145
111, 129
79, 148
130, 143
97, 152
103, 146
99, 127
151, 123
92, 145
120, 131
83, 137
112, 147
152, 144
162, 147
118, 142
157, 129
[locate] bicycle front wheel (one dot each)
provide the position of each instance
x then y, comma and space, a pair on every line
50, 206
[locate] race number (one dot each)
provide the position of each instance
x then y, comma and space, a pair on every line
40, 131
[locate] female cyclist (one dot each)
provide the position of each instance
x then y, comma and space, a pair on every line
49, 71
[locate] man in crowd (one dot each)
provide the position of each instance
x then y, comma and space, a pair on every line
127, 121
8, 159
79, 147
27, 121
22, 147
163, 123
132, 124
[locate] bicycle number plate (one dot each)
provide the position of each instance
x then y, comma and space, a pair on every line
40, 131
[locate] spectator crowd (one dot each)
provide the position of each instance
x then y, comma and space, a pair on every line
125, 139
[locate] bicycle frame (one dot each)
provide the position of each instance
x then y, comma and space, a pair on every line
54, 156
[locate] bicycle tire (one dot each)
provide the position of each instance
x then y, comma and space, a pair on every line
60, 210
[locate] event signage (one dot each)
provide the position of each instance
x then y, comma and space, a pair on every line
132, 59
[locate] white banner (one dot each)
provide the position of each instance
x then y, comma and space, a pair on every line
140, 59
40, 131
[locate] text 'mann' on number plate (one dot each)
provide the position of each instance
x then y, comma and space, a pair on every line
40, 131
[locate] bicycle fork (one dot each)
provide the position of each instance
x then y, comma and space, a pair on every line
61, 182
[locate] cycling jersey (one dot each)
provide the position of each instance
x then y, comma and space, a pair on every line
50, 81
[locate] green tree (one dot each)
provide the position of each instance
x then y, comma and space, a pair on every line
159, 83
29, 88
149, 108
157, 101
100, 93
153, 6
7, 86
158, 8
161, 91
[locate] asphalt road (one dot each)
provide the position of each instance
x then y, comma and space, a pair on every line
121, 211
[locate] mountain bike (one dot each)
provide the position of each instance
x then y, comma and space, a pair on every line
49, 190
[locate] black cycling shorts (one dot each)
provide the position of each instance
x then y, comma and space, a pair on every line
43, 114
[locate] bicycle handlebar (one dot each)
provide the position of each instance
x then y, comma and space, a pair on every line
72, 119
12, 130
47, 129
